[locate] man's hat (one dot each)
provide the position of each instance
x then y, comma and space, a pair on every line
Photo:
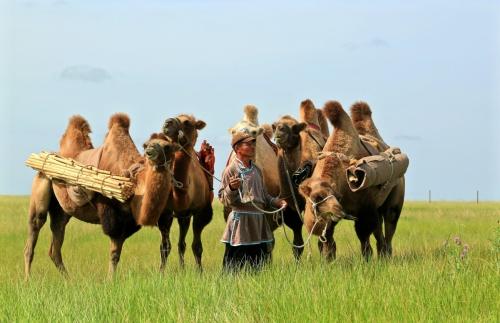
239, 137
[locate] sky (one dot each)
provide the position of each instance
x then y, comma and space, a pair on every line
430, 72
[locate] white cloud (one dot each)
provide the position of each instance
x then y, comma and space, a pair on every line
85, 73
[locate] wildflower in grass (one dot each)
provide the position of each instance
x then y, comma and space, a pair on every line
465, 251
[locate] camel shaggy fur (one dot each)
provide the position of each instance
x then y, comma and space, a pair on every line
119, 221
193, 197
328, 197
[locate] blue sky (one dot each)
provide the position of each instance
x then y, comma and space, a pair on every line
429, 70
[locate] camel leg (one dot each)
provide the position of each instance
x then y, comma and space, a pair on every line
364, 228
58, 222
37, 219
115, 252
200, 220
390, 221
328, 249
292, 220
40, 200
164, 224
184, 219
379, 237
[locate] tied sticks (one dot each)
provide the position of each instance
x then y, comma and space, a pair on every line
75, 173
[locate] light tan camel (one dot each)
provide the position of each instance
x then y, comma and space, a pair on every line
152, 186
299, 146
328, 197
193, 196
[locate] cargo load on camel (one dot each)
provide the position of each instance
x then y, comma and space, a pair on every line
377, 170
86, 179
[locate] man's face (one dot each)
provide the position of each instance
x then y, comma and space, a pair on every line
246, 149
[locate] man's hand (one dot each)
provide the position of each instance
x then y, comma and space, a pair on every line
234, 183
280, 203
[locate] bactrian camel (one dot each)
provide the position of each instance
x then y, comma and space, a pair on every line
151, 175
299, 146
328, 197
193, 195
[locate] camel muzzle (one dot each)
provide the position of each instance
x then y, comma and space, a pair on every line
152, 152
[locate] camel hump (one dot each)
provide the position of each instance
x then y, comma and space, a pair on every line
251, 112
334, 112
308, 112
79, 123
120, 119
323, 124
360, 111
361, 115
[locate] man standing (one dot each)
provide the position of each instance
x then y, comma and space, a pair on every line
247, 235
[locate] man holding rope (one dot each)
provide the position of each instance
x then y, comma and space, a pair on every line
247, 236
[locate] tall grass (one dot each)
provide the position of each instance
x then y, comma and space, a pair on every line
445, 268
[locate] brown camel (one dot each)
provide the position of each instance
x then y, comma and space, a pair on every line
328, 197
299, 146
152, 177
193, 195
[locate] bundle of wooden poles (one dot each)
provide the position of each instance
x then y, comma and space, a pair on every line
75, 173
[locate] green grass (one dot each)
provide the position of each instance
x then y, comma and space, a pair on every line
426, 280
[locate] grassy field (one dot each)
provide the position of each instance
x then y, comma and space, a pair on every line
430, 278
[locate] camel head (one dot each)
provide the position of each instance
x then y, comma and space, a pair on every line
322, 200
183, 129
249, 124
287, 132
159, 150
246, 127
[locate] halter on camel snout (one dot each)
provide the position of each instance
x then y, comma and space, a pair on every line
333, 217
177, 125
152, 153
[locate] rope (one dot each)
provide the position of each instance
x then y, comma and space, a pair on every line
203, 168
308, 237
45, 160
102, 184
391, 162
267, 212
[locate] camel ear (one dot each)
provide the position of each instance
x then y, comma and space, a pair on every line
200, 124
296, 128
304, 188
274, 125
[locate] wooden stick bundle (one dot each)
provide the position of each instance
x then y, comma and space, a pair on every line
75, 173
